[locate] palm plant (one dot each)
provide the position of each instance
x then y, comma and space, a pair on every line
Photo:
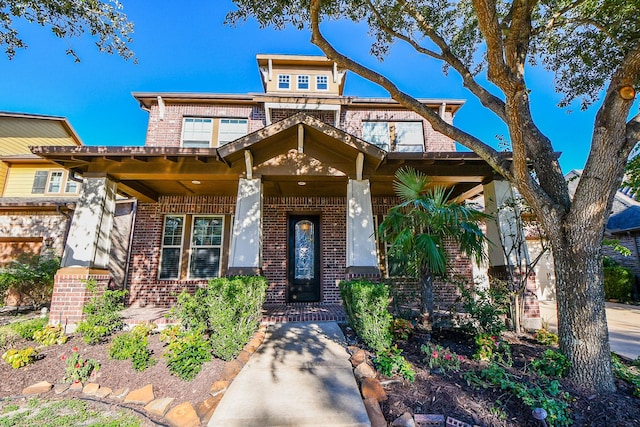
419, 228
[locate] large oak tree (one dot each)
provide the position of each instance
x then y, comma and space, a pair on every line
592, 47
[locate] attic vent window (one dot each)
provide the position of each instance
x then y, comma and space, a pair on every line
284, 81
303, 82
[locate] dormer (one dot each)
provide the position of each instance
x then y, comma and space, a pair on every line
300, 75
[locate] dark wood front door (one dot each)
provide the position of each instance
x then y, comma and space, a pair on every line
304, 258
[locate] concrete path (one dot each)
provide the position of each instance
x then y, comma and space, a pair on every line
623, 321
300, 376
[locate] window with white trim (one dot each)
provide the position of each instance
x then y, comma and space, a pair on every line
196, 132
284, 81
53, 182
322, 83
303, 82
232, 129
395, 136
171, 249
206, 247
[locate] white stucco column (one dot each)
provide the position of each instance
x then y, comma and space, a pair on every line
88, 243
362, 257
504, 231
245, 255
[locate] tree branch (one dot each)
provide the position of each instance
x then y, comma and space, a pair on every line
490, 155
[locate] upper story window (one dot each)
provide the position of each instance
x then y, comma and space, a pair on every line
395, 136
232, 129
53, 182
303, 82
284, 81
322, 83
196, 132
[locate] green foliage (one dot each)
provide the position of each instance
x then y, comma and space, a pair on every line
102, 314
630, 374
133, 345
485, 308
186, 354
366, 304
492, 348
401, 329
19, 358
552, 364
616, 246
440, 357
50, 335
228, 309
79, 369
546, 394
27, 328
31, 276
618, 283
7, 336
103, 20
545, 337
392, 362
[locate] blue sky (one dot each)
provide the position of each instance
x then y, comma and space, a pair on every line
190, 50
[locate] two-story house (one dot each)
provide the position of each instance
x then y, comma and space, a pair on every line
288, 183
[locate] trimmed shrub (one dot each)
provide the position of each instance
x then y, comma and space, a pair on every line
366, 304
186, 354
133, 345
228, 309
103, 317
30, 277
618, 283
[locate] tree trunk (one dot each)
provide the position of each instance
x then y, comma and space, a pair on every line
582, 321
426, 298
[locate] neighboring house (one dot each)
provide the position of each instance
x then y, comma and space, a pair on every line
289, 183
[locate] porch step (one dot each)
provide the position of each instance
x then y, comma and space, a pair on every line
302, 312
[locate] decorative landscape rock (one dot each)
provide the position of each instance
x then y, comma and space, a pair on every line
91, 389
364, 370
371, 389
358, 357
61, 388
159, 406
141, 396
103, 392
120, 393
183, 415
230, 370
243, 357
76, 386
375, 413
41, 387
205, 408
405, 420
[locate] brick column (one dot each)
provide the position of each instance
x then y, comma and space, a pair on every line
86, 255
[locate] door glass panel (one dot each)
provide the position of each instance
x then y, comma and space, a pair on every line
304, 245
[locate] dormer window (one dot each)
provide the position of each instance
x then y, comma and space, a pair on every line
303, 82
322, 83
284, 81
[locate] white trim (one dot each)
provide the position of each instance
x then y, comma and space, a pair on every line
302, 77
324, 76
289, 82
162, 246
184, 121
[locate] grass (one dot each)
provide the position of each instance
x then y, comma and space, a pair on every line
63, 413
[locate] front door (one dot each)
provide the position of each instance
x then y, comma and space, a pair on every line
304, 258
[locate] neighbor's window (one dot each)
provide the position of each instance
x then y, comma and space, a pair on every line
303, 82
395, 136
196, 132
377, 133
284, 81
55, 182
172, 234
206, 247
322, 83
232, 129
40, 182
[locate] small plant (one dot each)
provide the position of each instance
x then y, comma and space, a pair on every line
27, 328
442, 358
492, 348
401, 329
7, 337
186, 354
366, 304
486, 308
552, 364
626, 373
392, 362
79, 369
50, 335
545, 337
19, 358
103, 317
133, 345
618, 282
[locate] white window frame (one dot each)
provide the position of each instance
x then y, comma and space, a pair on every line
325, 83
300, 80
172, 246
223, 135
385, 145
284, 81
193, 246
416, 142
196, 142
60, 183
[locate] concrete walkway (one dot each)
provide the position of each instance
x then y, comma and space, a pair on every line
623, 321
300, 376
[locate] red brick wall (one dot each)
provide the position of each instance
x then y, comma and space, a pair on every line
325, 116
70, 294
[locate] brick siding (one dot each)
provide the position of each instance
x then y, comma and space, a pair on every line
70, 293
